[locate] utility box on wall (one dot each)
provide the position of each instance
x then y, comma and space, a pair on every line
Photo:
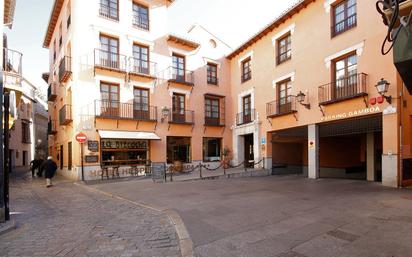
402, 55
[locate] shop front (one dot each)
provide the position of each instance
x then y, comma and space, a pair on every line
124, 153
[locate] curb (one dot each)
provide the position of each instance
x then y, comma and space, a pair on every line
185, 242
247, 174
9, 226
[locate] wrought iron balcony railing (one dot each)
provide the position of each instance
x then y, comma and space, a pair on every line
343, 89
281, 107
51, 127
182, 117
180, 76
65, 115
109, 11
12, 61
116, 110
109, 60
245, 117
142, 67
52, 92
65, 69
140, 22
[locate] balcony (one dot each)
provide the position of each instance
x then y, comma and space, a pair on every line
281, 107
52, 127
52, 92
142, 68
180, 76
182, 117
65, 115
108, 12
343, 89
124, 111
65, 69
142, 23
212, 80
245, 117
105, 60
214, 122
12, 61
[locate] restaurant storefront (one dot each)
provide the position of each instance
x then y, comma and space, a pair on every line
119, 154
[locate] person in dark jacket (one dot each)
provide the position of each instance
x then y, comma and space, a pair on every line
50, 168
35, 165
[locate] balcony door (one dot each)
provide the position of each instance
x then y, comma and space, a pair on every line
178, 68
247, 109
109, 52
141, 59
110, 100
141, 104
178, 108
212, 114
345, 77
285, 96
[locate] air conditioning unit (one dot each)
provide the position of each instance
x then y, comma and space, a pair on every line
402, 55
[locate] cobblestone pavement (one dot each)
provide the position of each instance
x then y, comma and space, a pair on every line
284, 216
68, 220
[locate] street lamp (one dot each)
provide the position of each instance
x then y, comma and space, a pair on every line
382, 87
300, 97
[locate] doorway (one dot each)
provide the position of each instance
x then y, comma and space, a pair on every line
249, 153
61, 157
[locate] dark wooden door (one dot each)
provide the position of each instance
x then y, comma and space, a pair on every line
141, 104
249, 154
179, 108
284, 93
109, 52
141, 59
179, 66
69, 157
110, 106
345, 77
247, 109
61, 156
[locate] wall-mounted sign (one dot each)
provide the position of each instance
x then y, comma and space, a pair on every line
108, 144
93, 146
91, 158
351, 114
311, 144
263, 141
389, 110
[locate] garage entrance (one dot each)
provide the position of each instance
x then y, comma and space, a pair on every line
349, 149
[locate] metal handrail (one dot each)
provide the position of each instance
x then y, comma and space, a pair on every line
282, 106
142, 67
245, 117
109, 60
118, 110
344, 88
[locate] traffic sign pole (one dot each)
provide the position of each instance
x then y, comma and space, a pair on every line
81, 138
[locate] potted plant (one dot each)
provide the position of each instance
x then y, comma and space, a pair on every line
226, 157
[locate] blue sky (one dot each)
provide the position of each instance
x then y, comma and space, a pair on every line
233, 21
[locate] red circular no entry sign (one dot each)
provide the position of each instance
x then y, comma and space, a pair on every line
81, 138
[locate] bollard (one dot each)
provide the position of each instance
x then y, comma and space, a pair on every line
224, 169
200, 169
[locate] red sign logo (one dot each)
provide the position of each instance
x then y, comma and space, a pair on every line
81, 138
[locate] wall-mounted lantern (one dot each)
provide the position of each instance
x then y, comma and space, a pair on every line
382, 88
165, 113
300, 97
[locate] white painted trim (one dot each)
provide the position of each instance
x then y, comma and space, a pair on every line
328, 4
290, 28
179, 91
178, 51
284, 77
140, 41
358, 48
208, 60
142, 85
244, 57
250, 92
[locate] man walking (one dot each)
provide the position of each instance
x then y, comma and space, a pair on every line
49, 167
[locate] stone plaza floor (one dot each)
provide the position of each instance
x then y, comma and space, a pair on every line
283, 216
70, 220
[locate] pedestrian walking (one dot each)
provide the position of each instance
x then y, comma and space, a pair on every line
35, 165
50, 168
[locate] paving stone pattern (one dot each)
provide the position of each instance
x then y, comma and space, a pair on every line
68, 220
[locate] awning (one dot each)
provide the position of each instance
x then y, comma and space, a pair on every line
128, 135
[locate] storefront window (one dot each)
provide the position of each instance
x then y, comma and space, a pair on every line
211, 149
124, 152
178, 149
